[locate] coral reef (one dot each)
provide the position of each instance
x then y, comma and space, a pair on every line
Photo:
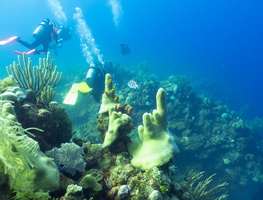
211, 137
34, 107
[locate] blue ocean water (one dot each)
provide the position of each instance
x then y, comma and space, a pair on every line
217, 43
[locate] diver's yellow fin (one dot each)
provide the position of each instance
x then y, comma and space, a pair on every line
83, 87
72, 95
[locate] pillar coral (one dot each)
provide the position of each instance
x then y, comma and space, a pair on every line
116, 119
157, 145
109, 99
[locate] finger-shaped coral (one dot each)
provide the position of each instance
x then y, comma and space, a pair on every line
116, 120
157, 145
109, 99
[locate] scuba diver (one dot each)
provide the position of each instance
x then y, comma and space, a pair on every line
125, 49
94, 83
95, 78
48, 34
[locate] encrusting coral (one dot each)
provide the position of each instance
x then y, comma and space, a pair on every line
157, 145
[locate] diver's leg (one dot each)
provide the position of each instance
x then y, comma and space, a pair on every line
45, 46
30, 46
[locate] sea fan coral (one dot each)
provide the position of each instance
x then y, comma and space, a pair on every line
68, 158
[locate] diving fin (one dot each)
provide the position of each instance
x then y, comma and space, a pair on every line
18, 52
72, 95
31, 52
83, 87
11, 39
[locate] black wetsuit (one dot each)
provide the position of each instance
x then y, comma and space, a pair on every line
125, 49
97, 82
48, 36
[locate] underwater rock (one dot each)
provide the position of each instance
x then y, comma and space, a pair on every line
155, 195
13, 94
225, 116
124, 192
9, 96
74, 192
44, 114
125, 108
226, 161
31, 96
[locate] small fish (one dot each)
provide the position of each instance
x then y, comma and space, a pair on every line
133, 84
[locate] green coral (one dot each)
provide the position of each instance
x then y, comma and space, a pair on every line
116, 120
40, 195
109, 99
157, 145
7, 83
89, 181
41, 79
20, 158
164, 189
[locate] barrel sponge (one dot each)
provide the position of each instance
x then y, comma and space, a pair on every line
157, 145
20, 157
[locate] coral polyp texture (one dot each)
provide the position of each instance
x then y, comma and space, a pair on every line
157, 145
109, 99
116, 119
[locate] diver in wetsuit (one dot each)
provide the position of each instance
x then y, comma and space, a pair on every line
48, 34
125, 49
95, 78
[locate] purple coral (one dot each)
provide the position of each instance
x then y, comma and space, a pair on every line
68, 158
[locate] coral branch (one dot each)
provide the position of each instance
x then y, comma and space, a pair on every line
36, 78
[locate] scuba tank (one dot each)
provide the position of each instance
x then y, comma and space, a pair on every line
91, 74
95, 74
95, 79
41, 29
